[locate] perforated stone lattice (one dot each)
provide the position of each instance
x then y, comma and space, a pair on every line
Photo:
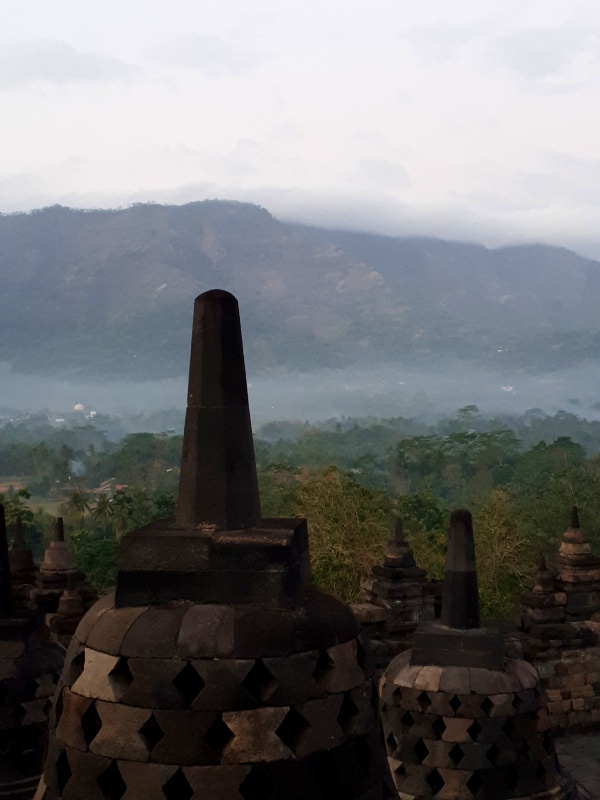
223, 705
218, 670
446, 744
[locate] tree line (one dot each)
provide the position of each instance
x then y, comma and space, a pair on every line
518, 475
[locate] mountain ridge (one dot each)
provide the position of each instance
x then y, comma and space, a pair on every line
109, 292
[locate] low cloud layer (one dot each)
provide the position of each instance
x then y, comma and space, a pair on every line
209, 55
461, 119
57, 62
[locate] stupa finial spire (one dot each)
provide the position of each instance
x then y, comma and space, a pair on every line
58, 534
19, 540
218, 484
398, 531
460, 599
5, 584
575, 518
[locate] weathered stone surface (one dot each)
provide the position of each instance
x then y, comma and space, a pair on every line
254, 736
145, 781
152, 684
30, 664
95, 680
455, 728
190, 737
206, 631
109, 631
397, 597
218, 670
154, 633
119, 734
69, 727
215, 783
337, 668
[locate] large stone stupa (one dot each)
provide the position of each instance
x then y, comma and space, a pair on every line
217, 670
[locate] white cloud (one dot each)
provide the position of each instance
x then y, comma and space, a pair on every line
210, 55
461, 118
56, 62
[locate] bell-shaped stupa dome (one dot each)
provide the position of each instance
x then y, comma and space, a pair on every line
217, 670
461, 720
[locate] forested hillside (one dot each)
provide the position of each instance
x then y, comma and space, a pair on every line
109, 292
519, 475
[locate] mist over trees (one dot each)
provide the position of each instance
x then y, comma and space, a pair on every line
520, 475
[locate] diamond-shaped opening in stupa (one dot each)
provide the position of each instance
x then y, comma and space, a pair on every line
189, 684
260, 682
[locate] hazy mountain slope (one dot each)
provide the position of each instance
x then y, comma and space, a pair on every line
111, 292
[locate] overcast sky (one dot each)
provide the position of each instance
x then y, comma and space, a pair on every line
473, 119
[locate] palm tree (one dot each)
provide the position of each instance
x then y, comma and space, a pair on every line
102, 512
76, 503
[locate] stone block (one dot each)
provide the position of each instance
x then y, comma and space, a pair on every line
189, 737
254, 736
216, 783
455, 680
358, 714
457, 729
455, 784
145, 781
526, 673
96, 680
407, 676
507, 682
206, 631
110, 629
261, 632
369, 614
119, 736
502, 705
482, 681
225, 688
154, 633
152, 683
337, 668
429, 679
69, 729
93, 615
76, 776
295, 677
313, 727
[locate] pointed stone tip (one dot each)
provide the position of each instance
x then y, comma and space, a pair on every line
575, 518
461, 517
460, 597
217, 374
398, 531
19, 535
218, 484
58, 535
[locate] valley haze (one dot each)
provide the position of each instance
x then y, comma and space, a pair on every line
97, 308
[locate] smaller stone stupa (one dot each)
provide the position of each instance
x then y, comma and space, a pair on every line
61, 592
578, 571
30, 665
396, 597
562, 629
24, 573
462, 721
